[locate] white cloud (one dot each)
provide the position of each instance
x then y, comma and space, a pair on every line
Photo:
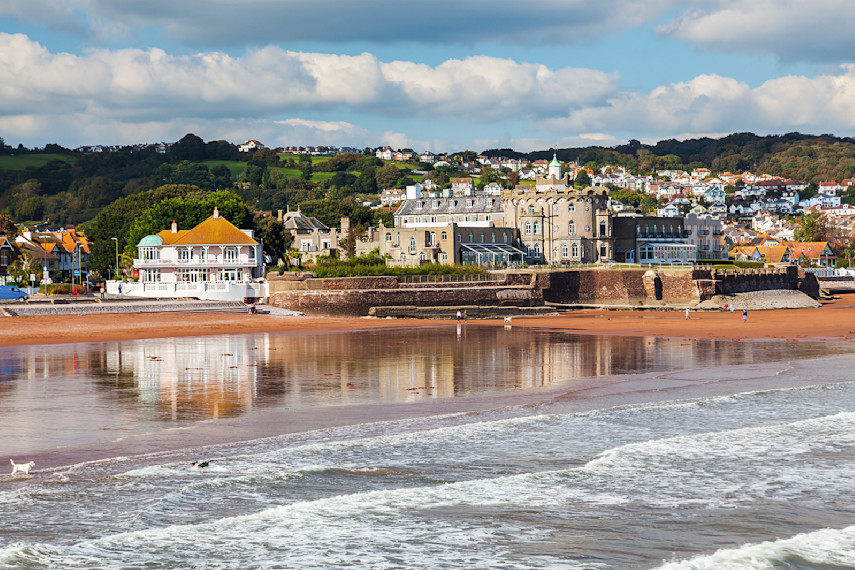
793, 29
154, 85
715, 104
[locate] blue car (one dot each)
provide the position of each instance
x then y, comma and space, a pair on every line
13, 293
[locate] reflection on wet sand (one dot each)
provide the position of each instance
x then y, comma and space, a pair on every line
212, 377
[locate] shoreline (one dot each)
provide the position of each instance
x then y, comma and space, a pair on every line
834, 320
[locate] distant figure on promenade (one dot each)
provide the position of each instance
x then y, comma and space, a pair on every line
745, 315
465, 318
459, 315
120, 289
687, 313
102, 292
731, 308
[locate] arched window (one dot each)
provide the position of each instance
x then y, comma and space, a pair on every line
531, 209
388, 237
571, 228
528, 228
565, 250
536, 228
444, 235
575, 251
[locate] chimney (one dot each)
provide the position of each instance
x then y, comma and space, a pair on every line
174, 227
216, 213
279, 216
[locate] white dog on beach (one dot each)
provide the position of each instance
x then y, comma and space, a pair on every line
22, 467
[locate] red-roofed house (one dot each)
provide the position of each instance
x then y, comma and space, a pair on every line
249, 145
813, 253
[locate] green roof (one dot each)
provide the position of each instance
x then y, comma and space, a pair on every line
150, 240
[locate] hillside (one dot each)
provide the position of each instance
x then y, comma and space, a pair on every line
800, 157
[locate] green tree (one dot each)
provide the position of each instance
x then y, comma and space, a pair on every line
488, 175
25, 265
582, 180
306, 170
188, 213
115, 221
367, 183
814, 227
275, 238
190, 147
388, 176
8, 227
253, 174
222, 176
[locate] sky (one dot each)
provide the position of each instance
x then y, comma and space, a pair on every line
443, 76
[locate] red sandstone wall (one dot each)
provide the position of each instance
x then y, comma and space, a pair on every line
357, 302
618, 286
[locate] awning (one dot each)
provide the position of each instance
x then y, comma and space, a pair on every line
491, 248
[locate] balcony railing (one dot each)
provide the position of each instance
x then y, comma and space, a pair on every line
211, 262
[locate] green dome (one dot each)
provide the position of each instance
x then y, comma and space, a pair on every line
554, 161
150, 240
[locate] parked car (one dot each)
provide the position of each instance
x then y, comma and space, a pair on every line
12, 292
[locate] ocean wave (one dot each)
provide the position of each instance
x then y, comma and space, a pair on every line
826, 548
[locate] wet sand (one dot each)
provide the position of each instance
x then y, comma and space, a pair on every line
834, 320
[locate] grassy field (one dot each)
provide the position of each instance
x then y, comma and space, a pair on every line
20, 162
234, 166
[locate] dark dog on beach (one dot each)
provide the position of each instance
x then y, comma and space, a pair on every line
200, 464
23, 468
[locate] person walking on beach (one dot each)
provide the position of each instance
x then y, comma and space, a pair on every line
745, 315
687, 313
459, 315
731, 308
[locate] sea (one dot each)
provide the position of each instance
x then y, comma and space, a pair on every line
443, 446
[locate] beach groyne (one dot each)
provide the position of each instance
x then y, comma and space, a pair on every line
634, 287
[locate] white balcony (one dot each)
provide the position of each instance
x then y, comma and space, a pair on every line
210, 262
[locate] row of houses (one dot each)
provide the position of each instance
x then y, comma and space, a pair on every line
62, 254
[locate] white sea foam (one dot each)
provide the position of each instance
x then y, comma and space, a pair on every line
823, 547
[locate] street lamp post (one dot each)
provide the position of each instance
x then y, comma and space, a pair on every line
117, 257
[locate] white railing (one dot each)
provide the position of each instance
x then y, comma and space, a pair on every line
211, 291
210, 262
830, 271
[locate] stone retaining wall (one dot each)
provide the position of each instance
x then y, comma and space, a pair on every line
358, 302
634, 287
621, 287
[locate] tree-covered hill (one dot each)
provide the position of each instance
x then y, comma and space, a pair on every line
800, 157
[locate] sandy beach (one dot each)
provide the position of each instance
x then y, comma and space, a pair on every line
834, 320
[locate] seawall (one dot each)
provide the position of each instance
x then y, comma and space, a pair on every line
640, 287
